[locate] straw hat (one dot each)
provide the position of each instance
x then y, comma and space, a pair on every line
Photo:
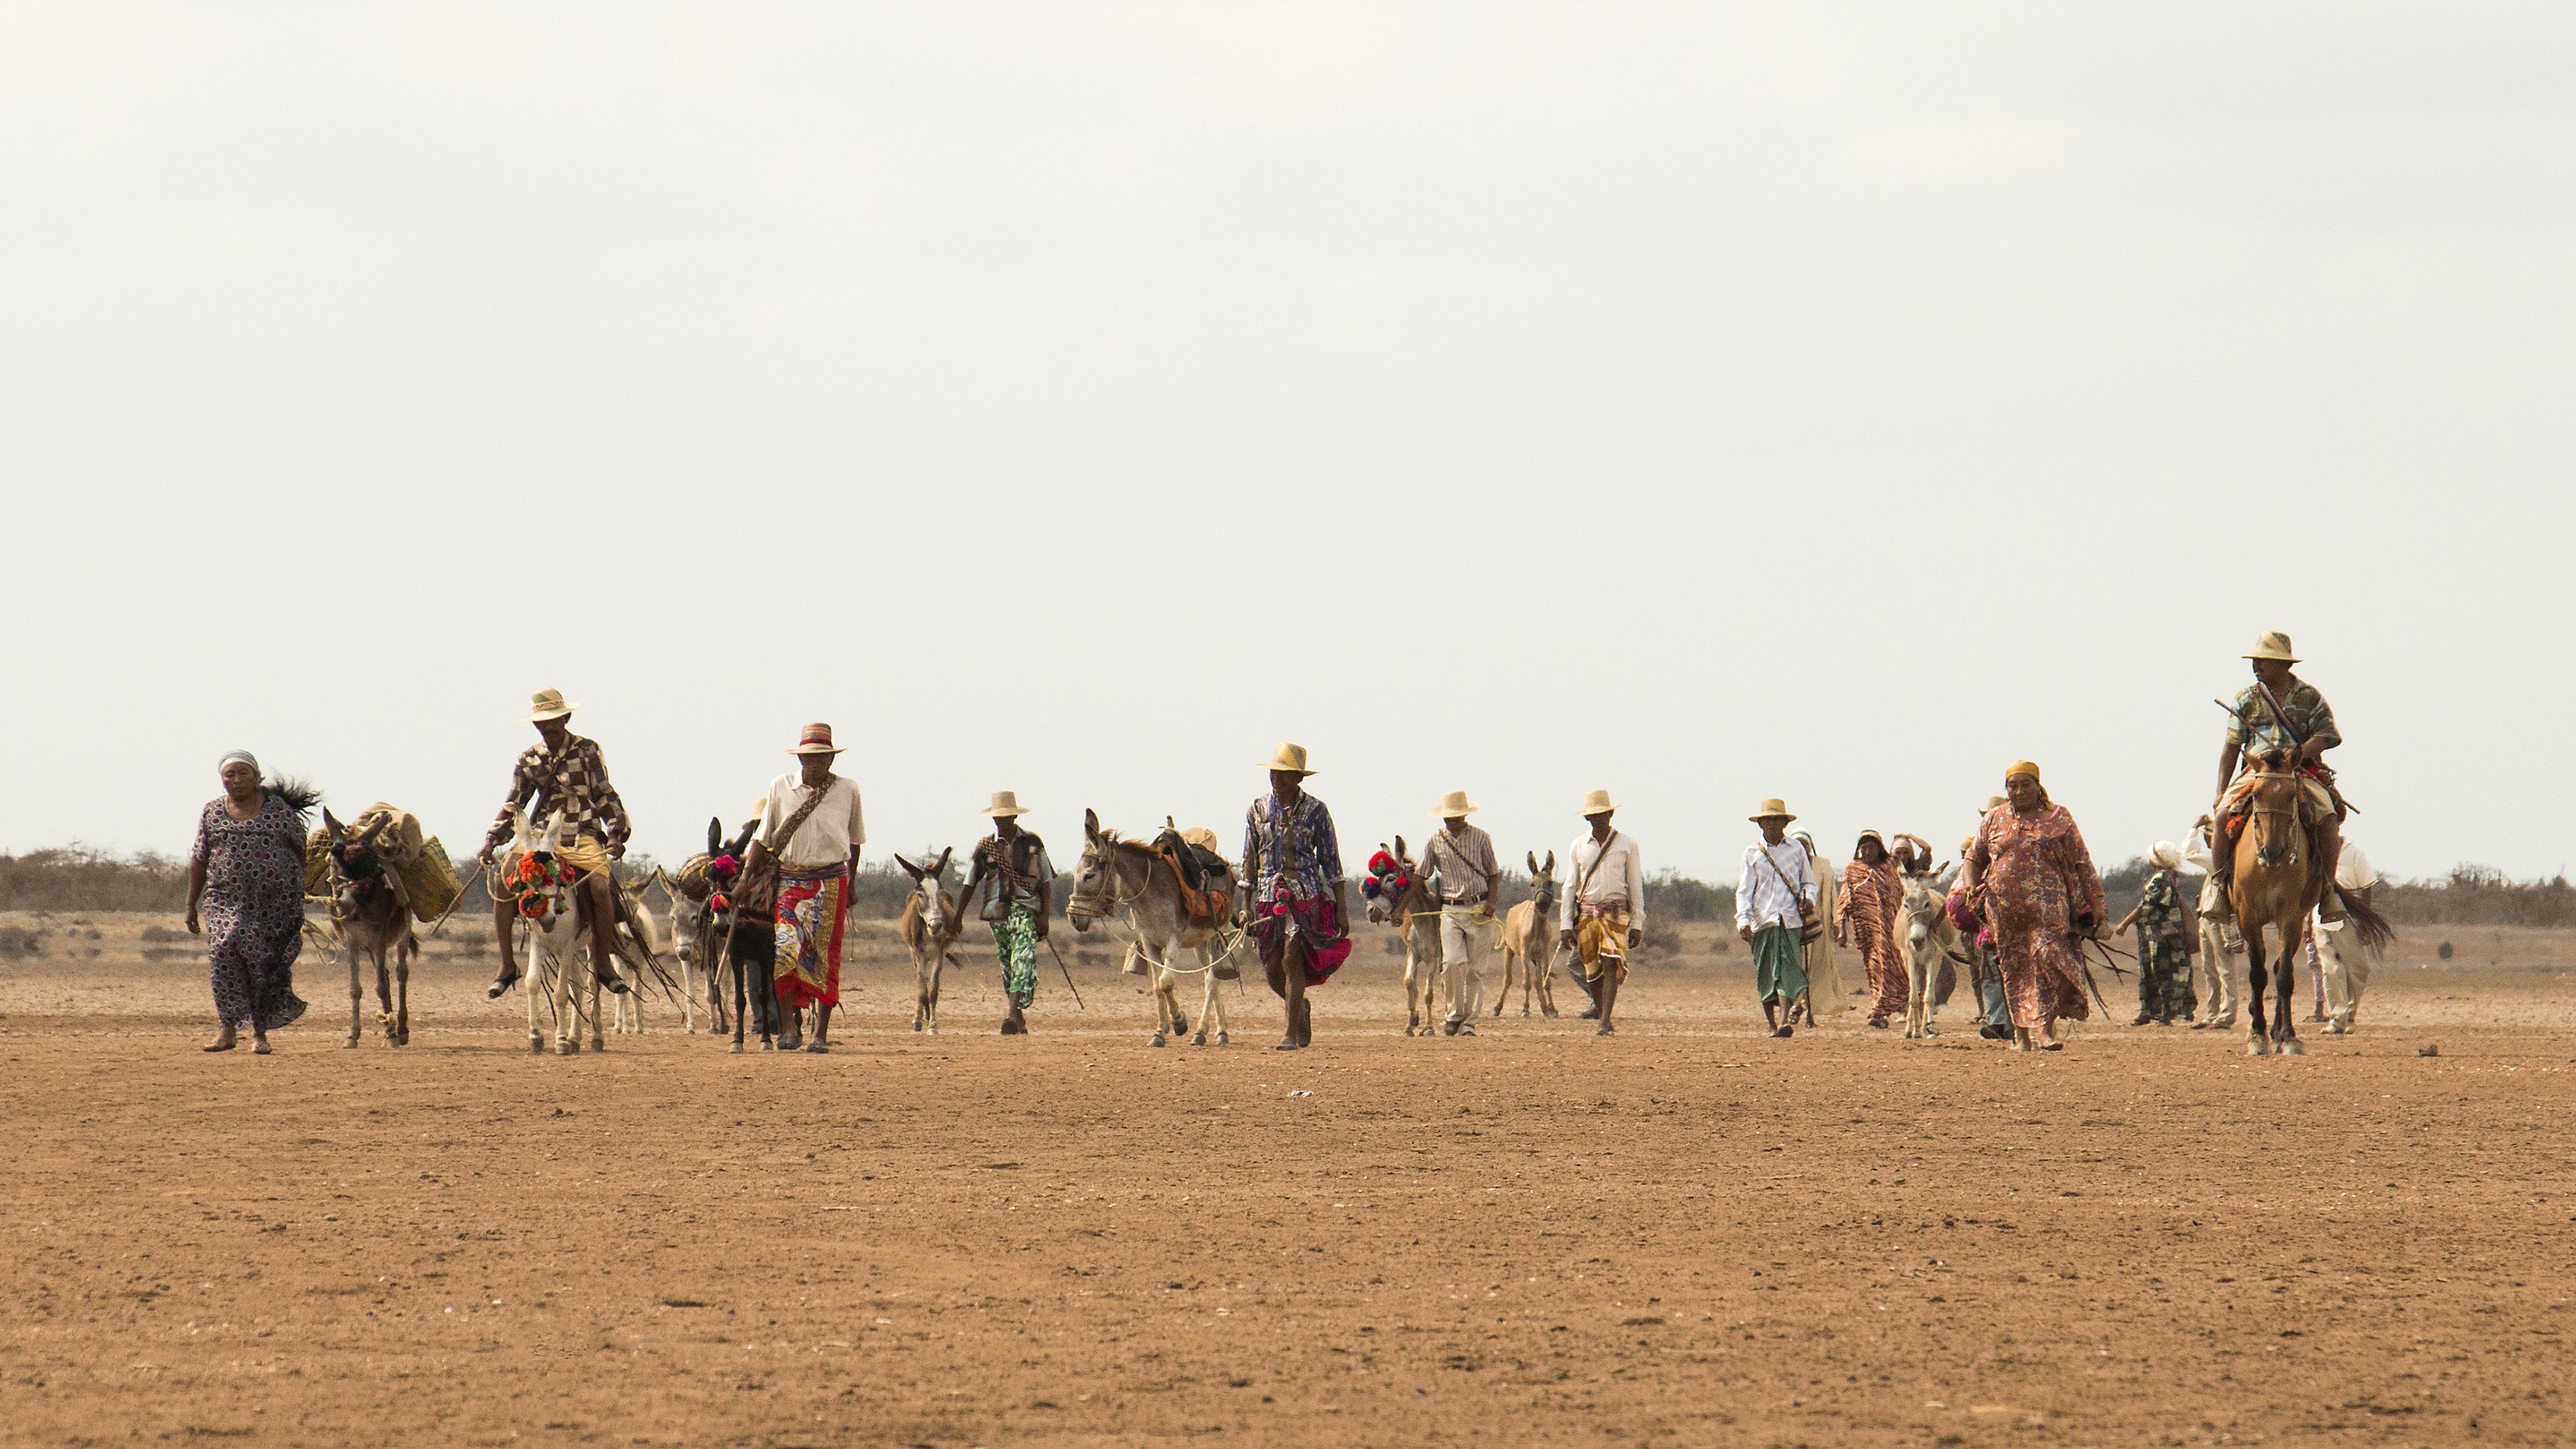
1870, 835
1597, 802
2274, 645
548, 704
1291, 758
817, 740
1005, 802
2166, 855
1456, 806
1773, 809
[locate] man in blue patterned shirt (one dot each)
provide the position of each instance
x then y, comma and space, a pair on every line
1290, 859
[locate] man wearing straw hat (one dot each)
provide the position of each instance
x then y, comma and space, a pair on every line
563, 771
1461, 858
811, 825
2217, 972
1603, 917
1011, 867
2279, 713
1290, 857
1774, 898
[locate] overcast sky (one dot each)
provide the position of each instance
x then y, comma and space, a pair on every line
1703, 402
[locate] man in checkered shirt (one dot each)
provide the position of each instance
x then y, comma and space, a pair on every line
562, 771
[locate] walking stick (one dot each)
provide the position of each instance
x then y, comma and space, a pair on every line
1068, 973
460, 899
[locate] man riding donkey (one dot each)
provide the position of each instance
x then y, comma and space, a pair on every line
811, 830
565, 772
1290, 856
1011, 867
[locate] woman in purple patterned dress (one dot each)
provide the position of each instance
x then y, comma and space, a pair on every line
246, 876
2030, 871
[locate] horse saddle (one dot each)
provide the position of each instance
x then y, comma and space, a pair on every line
1206, 881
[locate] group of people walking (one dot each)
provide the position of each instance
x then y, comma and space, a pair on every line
2026, 901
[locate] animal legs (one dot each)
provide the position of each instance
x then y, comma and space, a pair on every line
1918, 992
357, 994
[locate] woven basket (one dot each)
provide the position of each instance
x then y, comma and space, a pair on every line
431, 881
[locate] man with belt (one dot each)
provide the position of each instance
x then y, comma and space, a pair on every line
1603, 917
811, 826
1461, 860
1011, 868
563, 771
2220, 942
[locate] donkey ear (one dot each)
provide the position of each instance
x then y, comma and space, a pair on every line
908, 867
1551, 860
941, 870
715, 836
1532, 857
1090, 823
1399, 848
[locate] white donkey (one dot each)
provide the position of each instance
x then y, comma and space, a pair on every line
1929, 942
557, 965
1127, 884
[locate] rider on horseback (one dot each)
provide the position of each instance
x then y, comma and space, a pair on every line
2280, 716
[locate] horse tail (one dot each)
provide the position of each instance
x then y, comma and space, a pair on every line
2368, 924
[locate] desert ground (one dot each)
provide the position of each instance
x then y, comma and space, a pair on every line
1689, 1233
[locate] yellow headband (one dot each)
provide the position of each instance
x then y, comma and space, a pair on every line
2021, 767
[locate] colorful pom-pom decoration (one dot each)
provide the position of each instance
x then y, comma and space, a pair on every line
1381, 863
1280, 909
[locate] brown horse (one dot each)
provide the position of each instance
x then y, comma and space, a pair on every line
2277, 882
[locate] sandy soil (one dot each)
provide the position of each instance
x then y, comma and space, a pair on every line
1686, 1234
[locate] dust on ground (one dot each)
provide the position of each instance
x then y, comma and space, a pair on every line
1687, 1233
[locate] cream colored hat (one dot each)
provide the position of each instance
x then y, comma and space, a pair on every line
548, 704
815, 740
1772, 810
1289, 757
2166, 855
1597, 802
1995, 802
2274, 645
1005, 802
1456, 806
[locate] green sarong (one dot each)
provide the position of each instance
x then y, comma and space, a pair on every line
1015, 937
1779, 964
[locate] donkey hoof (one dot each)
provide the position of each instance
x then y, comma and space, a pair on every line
737, 1048
2258, 1048
2294, 1048
1198, 1038
1221, 1039
352, 1041
537, 1045
1157, 1041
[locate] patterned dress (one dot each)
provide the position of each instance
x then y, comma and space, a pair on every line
252, 911
2164, 951
2037, 877
1871, 897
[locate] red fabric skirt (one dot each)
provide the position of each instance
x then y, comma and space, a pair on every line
1314, 921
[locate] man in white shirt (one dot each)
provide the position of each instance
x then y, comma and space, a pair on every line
1603, 917
811, 826
2342, 967
2217, 968
1777, 881
1461, 857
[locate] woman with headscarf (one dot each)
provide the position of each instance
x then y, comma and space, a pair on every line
1865, 918
246, 895
1824, 983
2032, 877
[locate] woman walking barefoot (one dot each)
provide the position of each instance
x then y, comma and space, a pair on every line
246, 896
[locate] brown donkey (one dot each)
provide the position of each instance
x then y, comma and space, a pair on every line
2276, 884
1529, 942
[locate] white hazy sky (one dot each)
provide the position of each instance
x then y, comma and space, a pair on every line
1703, 401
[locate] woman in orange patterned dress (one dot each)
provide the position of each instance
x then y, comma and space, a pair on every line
1865, 918
2033, 879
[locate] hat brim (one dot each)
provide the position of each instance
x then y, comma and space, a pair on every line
815, 750
540, 716
2276, 658
995, 814
1774, 815
1277, 768
1445, 813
